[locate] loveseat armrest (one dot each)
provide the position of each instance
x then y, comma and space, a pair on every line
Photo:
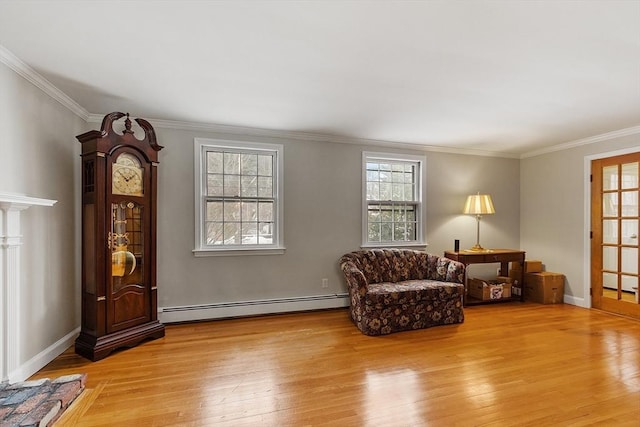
448, 270
355, 278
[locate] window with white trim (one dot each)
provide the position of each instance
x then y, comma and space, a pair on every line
238, 197
392, 199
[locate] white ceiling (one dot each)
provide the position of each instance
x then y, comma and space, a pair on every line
496, 76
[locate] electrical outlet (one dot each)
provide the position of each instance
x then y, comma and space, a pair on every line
325, 283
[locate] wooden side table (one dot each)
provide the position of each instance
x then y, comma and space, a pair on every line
503, 256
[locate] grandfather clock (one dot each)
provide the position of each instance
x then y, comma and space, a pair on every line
119, 187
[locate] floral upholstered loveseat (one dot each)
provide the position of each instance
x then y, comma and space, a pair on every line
395, 290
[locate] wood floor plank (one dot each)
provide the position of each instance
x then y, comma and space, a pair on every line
511, 364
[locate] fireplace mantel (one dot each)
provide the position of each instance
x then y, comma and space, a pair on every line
11, 206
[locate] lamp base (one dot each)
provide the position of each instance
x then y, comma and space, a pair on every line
478, 248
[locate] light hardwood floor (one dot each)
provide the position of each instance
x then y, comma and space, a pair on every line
514, 364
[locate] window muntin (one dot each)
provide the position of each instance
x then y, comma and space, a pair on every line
239, 197
392, 200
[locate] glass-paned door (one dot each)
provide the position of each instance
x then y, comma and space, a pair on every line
615, 222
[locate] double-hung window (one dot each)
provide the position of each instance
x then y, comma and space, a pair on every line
392, 199
238, 197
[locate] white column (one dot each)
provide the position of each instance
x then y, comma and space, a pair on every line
11, 206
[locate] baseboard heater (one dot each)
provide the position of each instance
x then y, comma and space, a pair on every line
189, 313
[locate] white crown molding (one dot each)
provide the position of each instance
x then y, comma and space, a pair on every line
634, 130
308, 136
17, 65
47, 87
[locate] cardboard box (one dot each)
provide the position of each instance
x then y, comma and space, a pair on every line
530, 266
544, 287
487, 290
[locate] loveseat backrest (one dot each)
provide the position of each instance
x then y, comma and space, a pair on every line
395, 265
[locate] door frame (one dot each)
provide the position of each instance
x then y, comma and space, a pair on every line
587, 303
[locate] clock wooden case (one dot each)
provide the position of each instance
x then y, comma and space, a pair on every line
119, 202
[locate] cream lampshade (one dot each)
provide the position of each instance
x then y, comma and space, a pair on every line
478, 205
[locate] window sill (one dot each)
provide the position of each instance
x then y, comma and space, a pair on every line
238, 252
394, 245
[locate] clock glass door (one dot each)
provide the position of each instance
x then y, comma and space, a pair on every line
128, 292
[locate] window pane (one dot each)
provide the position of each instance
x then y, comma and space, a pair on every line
265, 211
630, 175
386, 232
386, 213
250, 233
232, 163
610, 231
373, 213
249, 211
630, 232
231, 186
232, 211
630, 260
265, 187
610, 204
411, 213
397, 192
232, 234
630, 203
610, 280
373, 191
214, 211
214, 162
249, 164
399, 231
214, 233
214, 185
374, 232
398, 214
385, 191
411, 231
610, 178
373, 176
265, 165
408, 193
265, 235
249, 186
610, 258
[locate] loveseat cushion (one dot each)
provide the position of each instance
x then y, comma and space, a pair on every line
410, 292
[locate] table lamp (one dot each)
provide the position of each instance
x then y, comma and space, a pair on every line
478, 205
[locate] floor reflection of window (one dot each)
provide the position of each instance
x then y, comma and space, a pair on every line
392, 396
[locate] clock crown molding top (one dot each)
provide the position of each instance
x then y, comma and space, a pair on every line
106, 139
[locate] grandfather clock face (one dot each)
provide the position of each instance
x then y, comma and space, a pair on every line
127, 176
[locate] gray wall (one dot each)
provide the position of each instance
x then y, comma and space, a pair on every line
322, 215
39, 158
552, 200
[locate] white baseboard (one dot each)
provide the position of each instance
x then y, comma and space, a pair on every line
189, 313
580, 302
41, 359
